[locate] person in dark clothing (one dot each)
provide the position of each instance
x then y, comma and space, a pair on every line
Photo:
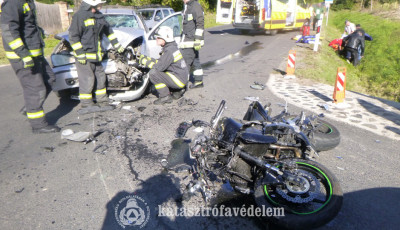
352, 42
23, 44
87, 29
193, 39
170, 70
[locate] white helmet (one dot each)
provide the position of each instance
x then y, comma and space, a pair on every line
94, 2
165, 33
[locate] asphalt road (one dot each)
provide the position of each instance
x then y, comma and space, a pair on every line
50, 183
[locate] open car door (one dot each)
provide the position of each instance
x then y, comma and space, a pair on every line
175, 22
224, 11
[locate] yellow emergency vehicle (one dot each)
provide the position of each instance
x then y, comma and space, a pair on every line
268, 15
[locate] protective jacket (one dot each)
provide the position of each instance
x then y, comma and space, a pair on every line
22, 37
193, 24
86, 32
171, 62
354, 41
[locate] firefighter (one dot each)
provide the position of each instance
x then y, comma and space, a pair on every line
193, 39
170, 70
23, 44
85, 34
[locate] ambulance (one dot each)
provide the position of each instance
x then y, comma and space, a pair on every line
268, 15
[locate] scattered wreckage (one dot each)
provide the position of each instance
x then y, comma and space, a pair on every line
267, 158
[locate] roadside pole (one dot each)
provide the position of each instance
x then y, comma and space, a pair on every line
317, 36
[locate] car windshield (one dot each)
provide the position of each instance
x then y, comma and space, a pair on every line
147, 14
122, 20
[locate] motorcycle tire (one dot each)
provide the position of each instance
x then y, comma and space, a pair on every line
325, 136
268, 197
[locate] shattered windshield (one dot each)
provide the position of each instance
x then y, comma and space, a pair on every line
122, 20
147, 14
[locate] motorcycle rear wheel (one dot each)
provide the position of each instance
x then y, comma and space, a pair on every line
302, 214
325, 136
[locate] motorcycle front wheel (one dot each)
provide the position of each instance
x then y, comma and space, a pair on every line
313, 203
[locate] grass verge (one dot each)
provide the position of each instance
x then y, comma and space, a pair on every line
379, 71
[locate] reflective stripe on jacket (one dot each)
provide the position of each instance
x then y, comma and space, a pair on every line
171, 61
86, 32
22, 36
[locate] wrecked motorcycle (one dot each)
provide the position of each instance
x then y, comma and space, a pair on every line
322, 135
267, 161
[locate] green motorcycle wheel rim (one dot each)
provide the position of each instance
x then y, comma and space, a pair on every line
307, 213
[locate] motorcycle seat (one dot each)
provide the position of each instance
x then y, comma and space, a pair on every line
254, 138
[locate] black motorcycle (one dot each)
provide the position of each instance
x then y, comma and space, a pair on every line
269, 161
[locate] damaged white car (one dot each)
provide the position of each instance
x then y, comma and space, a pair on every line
126, 80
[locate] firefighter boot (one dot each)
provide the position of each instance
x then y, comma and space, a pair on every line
197, 84
163, 100
178, 94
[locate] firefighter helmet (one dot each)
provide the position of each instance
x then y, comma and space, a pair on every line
165, 33
94, 2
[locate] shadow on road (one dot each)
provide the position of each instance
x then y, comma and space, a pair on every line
65, 106
163, 190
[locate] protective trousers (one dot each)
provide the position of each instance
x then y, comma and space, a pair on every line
192, 59
354, 55
87, 75
165, 80
36, 85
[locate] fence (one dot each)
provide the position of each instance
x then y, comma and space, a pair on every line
53, 18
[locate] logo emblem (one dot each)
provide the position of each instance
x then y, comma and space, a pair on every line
132, 211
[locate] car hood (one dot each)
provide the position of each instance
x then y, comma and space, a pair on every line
124, 35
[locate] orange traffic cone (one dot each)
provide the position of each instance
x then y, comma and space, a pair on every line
291, 62
340, 86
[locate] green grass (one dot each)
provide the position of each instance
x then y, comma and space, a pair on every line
379, 72
209, 20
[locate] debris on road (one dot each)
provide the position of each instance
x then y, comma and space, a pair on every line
340, 168
48, 149
141, 108
127, 107
339, 157
252, 98
185, 101
101, 149
377, 141
258, 86
84, 137
182, 129
324, 106
115, 103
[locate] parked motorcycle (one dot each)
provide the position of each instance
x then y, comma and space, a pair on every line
268, 161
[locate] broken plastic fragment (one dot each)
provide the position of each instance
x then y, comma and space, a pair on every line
252, 98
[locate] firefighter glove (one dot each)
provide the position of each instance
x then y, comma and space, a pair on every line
81, 60
142, 60
121, 50
197, 45
28, 62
